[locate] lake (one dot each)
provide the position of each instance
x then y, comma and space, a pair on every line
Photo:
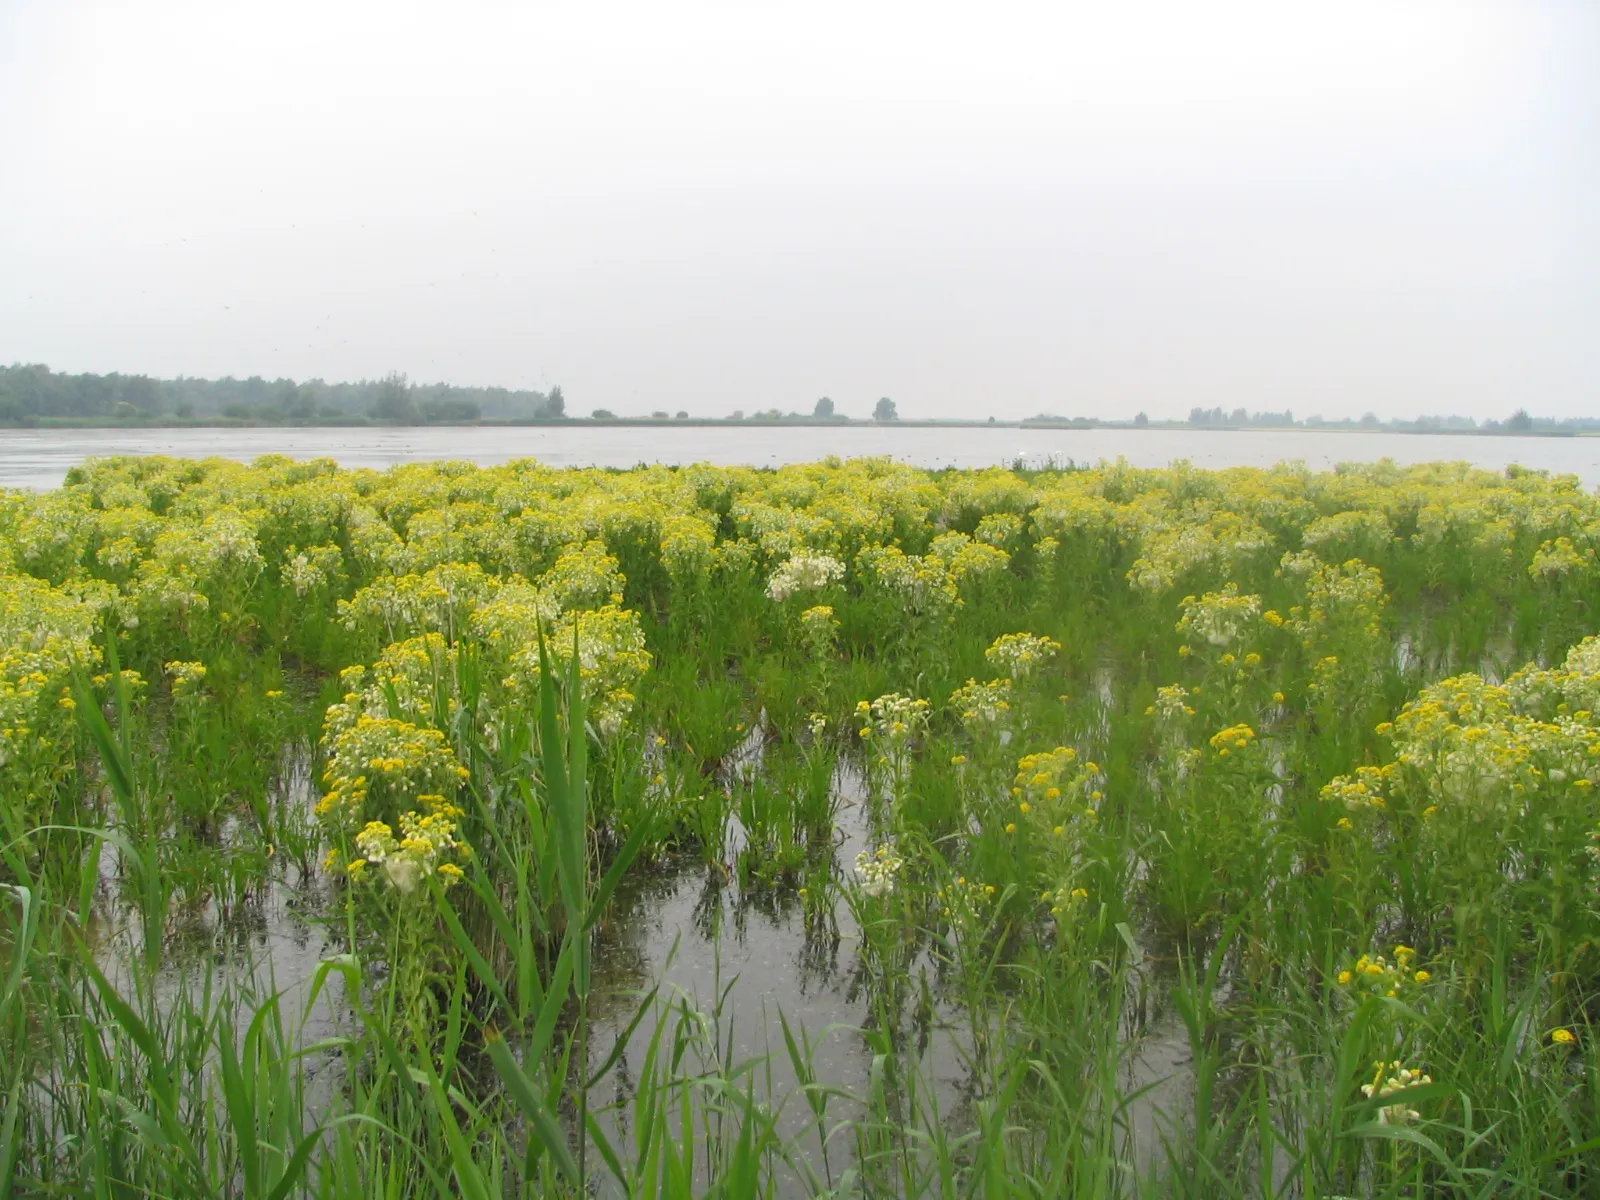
40, 458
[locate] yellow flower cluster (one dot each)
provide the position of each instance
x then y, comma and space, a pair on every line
1057, 795
186, 678
1378, 976
1233, 740
1172, 704
893, 719
416, 854
966, 902
1366, 789
983, 706
922, 585
819, 631
44, 634
384, 764
1560, 558
1065, 902
1020, 653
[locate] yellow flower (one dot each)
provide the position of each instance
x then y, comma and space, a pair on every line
1345, 977
1025, 808
1563, 1037
1346, 823
1011, 828
958, 760
1423, 976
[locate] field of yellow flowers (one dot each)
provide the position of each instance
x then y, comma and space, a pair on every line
1296, 771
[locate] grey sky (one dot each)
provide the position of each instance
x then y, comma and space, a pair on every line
976, 209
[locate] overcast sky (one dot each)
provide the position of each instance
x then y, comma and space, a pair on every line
978, 209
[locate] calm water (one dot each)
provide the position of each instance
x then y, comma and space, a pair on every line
40, 458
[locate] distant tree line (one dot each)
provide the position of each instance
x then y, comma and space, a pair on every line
33, 393
1517, 422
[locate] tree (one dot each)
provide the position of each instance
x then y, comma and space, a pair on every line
1519, 422
450, 410
660, 414
683, 414
1142, 420
603, 414
884, 411
141, 392
392, 400
555, 404
824, 408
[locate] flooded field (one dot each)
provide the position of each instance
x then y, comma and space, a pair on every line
841, 830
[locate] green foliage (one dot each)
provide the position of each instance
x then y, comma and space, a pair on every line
1133, 832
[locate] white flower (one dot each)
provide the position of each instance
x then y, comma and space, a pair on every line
404, 872
877, 870
1392, 1078
804, 573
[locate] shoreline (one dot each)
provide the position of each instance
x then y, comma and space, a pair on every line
779, 423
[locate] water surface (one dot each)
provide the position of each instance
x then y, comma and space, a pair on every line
40, 458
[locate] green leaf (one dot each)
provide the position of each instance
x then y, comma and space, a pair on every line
540, 1120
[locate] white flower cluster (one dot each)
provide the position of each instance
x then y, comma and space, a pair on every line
893, 717
1172, 703
1019, 653
877, 870
804, 573
1391, 1078
1219, 618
